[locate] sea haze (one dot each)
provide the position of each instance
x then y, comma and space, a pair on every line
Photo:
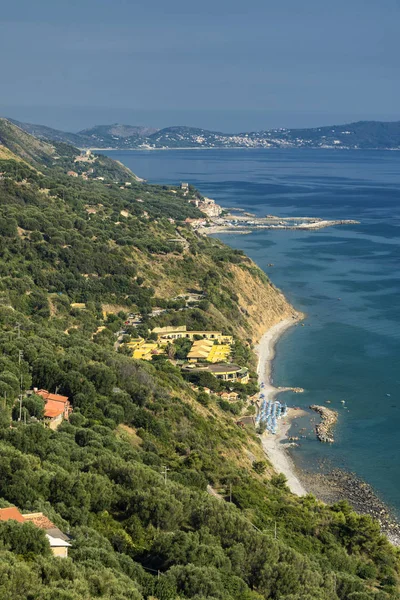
345, 278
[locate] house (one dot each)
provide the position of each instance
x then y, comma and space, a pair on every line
195, 223
72, 174
58, 541
225, 372
184, 187
229, 396
142, 350
207, 350
56, 408
200, 350
11, 513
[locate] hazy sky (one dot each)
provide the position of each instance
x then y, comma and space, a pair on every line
222, 64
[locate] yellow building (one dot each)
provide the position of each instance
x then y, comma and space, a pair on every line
200, 350
209, 351
142, 350
219, 353
166, 334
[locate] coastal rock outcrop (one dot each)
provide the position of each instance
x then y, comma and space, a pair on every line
328, 420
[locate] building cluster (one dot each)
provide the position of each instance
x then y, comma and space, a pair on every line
208, 206
59, 542
210, 351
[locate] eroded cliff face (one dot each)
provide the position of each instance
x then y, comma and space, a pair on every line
263, 304
259, 304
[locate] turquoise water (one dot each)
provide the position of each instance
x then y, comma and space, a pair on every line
346, 278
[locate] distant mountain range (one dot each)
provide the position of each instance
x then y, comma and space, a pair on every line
360, 135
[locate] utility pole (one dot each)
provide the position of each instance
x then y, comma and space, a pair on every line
275, 531
20, 356
164, 472
230, 492
18, 326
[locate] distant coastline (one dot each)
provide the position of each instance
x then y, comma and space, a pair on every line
375, 135
341, 148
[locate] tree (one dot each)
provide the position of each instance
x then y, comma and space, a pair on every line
260, 466
24, 539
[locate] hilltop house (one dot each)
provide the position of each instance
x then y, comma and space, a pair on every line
56, 408
58, 541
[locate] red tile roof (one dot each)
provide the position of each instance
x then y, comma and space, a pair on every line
40, 520
53, 409
11, 513
48, 396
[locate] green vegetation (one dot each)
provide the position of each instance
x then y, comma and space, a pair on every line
127, 475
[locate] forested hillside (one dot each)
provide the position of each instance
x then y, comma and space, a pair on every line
127, 476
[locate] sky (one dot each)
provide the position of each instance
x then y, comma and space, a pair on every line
228, 65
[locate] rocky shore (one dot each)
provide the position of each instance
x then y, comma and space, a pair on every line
338, 485
324, 428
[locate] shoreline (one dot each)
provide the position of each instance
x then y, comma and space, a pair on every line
273, 445
329, 487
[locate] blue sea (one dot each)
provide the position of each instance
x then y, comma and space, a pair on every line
345, 278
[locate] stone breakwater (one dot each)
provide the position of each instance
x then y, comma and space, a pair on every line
338, 485
245, 224
328, 420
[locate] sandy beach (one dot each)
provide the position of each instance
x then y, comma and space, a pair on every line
273, 445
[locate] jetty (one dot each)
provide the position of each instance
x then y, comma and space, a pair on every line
328, 420
245, 223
